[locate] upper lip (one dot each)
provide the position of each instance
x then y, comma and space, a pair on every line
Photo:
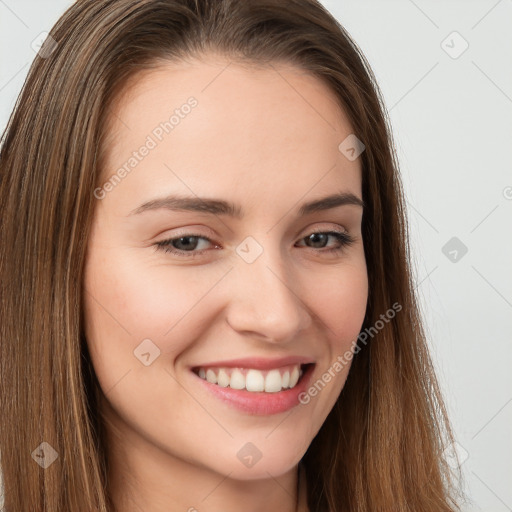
258, 363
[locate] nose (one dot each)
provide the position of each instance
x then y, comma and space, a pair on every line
265, 300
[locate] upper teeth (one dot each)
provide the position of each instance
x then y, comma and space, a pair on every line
250, 379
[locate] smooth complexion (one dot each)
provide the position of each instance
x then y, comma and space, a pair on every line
266, 139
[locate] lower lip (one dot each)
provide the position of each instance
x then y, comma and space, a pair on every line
261, 403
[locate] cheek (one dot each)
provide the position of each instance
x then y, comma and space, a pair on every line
340, 305
340, 302
129, 301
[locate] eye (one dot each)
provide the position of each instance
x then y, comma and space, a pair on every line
321, 237
186, 245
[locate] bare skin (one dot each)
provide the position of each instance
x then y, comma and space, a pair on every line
266, 139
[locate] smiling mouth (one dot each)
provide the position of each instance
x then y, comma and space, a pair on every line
254, 380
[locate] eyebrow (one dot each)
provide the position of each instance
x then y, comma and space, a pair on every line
221, 207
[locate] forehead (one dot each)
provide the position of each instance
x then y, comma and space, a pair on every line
253, 131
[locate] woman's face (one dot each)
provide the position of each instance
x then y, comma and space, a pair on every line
195, 350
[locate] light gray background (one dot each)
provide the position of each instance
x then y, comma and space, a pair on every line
452, 120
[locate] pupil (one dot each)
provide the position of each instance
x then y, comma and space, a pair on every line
315, 236
187, 238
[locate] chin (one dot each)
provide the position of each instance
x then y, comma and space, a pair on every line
251, 463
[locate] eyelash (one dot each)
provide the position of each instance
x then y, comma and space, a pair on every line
165, 245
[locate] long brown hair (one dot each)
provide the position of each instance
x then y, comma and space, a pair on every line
380, 449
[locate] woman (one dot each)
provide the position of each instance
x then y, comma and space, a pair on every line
279, 361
